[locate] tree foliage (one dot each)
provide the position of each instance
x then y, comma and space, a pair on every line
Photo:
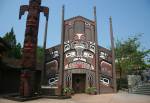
40, 53
129, 57
15, 48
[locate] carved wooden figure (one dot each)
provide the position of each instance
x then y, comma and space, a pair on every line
30, 43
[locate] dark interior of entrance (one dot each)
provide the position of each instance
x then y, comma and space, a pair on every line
78, 83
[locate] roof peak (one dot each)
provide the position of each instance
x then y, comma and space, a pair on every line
79, 16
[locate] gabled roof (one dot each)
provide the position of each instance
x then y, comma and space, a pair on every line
104, 49
80, 17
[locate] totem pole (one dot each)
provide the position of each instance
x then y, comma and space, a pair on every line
30, 44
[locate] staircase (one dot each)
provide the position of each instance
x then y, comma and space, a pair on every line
142, 89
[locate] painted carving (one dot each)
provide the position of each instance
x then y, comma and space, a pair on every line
79, 65
88, 54
52, 73
106, 73
105, 81
31, 32
30, 44
92, 47
53, 81
79, 54
55, 54
103, 55
106, 68
79, 36
71, 54
88, 24
67, 46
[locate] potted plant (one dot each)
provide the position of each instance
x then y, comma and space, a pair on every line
88, 90
91, 90
67, 91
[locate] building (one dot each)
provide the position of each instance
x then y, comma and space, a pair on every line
78, 62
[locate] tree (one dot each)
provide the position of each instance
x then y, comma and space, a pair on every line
129, 57
15, 48
17, 51
40, 53
10, 38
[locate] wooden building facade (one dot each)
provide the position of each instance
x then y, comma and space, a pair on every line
78, 62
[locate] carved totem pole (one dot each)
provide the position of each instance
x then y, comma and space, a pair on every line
30, 44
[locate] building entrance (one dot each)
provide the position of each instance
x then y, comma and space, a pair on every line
78, 83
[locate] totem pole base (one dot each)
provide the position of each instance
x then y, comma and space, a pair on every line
17, 97
29, 89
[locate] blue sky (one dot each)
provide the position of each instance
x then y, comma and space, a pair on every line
130, 17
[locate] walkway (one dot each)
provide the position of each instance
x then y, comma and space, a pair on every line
121, 97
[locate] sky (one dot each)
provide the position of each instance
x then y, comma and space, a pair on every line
129, 17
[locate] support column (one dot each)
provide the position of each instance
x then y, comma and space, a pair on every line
44, 51
61, 67
113, 55
96, 53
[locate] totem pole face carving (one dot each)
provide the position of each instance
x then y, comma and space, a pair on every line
79, 54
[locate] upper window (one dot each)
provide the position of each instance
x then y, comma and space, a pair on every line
79, 27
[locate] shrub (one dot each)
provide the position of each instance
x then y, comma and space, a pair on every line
68, 91
91, 90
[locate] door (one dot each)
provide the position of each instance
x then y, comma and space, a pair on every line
78, 83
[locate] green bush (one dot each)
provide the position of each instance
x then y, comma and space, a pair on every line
91, 90
68, 90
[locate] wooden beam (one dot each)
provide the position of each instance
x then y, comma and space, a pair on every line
113, 55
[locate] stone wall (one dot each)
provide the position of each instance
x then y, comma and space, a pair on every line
133, 81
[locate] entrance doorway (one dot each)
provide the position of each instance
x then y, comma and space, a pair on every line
78, 83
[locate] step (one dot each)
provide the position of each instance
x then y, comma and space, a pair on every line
142, 93
144, 86
143, 89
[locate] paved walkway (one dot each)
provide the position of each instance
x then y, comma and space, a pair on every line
121, 97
